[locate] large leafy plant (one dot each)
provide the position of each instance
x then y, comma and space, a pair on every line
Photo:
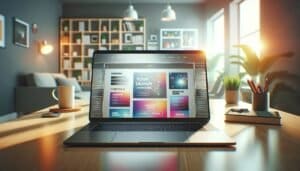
277, 79
254, 65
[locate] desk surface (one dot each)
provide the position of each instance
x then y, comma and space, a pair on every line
35, 143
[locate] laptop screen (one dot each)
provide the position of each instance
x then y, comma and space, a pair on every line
148, 84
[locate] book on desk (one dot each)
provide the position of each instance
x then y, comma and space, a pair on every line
257, 117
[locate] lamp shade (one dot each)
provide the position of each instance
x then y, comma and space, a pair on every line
168, 14
46, 48
130, 13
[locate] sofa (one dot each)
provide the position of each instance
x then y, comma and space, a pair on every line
34, 91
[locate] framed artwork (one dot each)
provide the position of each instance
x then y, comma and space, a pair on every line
21, 33
153, 37
128, 38
94, 38
2, 31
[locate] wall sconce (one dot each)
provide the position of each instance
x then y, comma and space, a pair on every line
46, 48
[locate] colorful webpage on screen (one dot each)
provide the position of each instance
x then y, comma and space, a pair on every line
155, 93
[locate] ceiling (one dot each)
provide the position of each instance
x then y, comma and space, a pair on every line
135, 1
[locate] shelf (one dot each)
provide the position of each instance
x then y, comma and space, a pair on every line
124, 32
91, 31
171, 37
133, 44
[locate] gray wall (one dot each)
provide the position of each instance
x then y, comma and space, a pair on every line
14, 59
188, 15
280, 31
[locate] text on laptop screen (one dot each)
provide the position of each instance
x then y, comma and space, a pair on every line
149, 86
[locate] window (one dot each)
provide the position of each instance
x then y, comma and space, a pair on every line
215, 47
249, 23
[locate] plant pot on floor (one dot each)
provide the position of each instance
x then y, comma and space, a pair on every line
232, 96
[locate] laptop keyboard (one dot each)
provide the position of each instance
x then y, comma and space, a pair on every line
146, 127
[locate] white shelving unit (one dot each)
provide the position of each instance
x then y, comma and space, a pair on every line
80, 37
178, 39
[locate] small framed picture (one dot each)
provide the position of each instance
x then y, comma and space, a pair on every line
21, 33
2, 31
128, 38
153, 37
94, 38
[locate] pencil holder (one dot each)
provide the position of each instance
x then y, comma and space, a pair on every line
261, 102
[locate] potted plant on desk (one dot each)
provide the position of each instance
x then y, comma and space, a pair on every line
258, 67
232, 85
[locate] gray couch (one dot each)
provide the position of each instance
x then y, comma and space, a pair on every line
34, 92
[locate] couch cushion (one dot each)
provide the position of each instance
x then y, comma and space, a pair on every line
58, 75
40, 80
69, 81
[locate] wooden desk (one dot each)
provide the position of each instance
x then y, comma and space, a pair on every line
32, 143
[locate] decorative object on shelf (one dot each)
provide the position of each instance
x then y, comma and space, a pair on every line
21, 33
90, 52
103, 38
130, 13
2, 31
168, 14
78, 40
94, 38
66, 28
128, 38
46, 48
34, 28
232, 85
75, 53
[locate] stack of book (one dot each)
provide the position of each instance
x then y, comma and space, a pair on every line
257, 117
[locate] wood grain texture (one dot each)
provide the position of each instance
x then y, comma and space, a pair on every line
34, 143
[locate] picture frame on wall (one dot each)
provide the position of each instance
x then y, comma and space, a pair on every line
21, 33
2, 31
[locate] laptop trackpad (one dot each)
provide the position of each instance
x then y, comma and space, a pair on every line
151, 136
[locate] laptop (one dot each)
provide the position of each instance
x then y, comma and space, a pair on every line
149, 98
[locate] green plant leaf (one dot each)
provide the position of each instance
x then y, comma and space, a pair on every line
268, 61
237, 57
232, 82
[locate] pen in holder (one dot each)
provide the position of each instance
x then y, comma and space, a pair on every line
260, 101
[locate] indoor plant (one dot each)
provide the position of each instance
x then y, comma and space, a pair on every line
103, 39
232, 85
256, 66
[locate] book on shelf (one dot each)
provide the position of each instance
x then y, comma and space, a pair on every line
78, 65
129, 26
67, 64
138, 39
86, 75
256, 117
81, 26
86, 39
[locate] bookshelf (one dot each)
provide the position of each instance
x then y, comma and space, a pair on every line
80, 37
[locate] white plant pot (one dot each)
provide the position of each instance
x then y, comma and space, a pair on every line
232, 96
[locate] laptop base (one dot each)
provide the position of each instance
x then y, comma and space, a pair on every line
203, 137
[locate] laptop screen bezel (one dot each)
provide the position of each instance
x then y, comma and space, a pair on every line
169, 52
